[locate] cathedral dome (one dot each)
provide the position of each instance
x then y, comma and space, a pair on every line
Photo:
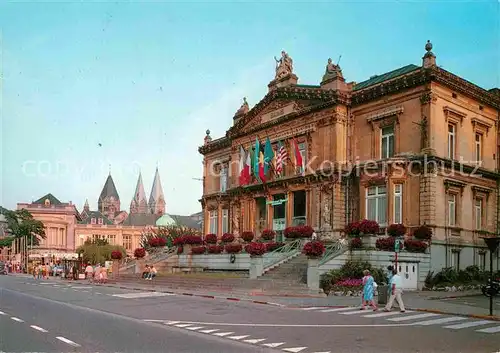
165, 221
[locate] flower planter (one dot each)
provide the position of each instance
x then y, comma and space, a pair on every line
115, 269
369, 240
187, 249
313, 273
139, 266
256, 266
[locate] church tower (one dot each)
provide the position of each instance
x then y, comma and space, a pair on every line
139, 203
109, 201
156, 199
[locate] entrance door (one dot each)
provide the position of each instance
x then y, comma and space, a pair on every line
279, 215
409, 275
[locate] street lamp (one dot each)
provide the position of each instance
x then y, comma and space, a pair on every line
492, 244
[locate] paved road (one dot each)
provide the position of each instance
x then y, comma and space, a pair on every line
108, 319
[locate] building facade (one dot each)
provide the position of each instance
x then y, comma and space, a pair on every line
417, 145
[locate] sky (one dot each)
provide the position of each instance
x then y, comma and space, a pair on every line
128, 86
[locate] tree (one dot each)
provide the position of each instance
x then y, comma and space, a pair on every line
21, 224
98, 251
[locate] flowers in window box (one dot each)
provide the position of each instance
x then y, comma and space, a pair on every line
211, 238
227, 238
273, 246
198, 250
233, 248
314, 249
423, 233
139, 253
247, 236
396, 230
215, 249
415, 245
268, 234
355, 243
256, 249
298, 232
385, 244
116, 255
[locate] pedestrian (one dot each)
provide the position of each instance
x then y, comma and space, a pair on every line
152, 273
368, 290
390, 268
89, 272
396, 292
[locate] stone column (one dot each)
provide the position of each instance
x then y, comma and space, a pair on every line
313, 274
289, 209
139, 266
256, 266
115, 269
219, 219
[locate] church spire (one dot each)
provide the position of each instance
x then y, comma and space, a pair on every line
139, 203
86, 207
157, 199
109, 201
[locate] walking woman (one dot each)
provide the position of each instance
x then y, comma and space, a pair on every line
368, 289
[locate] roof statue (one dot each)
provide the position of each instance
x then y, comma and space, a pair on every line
243, 109
429, 59
207, 138
332, 71
284, 66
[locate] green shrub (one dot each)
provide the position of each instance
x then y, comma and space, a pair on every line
351, 270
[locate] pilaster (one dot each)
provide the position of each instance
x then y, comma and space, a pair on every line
219, 220
289, 209
427, 199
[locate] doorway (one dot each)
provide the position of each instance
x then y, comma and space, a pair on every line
299, 208
279, 215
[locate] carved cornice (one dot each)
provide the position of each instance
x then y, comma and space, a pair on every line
215, 145
478, 124
393, 111
428, 97
449, 183
454, 115
481, 190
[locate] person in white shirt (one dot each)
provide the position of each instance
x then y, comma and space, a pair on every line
396, 291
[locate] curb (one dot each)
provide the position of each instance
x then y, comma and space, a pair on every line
198, 295
453, 296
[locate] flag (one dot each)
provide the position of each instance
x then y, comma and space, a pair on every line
247, 168
281, 157
256, 158
298, 156
268, 155
244, 172
262, 174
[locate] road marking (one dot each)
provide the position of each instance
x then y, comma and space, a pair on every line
337, 309
313, 308
411, 317
171, 322
354, 312
98, 293
439, 321
255, 341
2, 313
238, 337
490, 330
280, 325
470, 324
222, 334
195, 328
56, 285
141, 295
81, 287
38, 328
16, 319
274, 345
183, 325
294, 350
209, 331
65, 340
323, 352
384, 314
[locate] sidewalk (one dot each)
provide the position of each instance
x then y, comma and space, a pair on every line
420, 301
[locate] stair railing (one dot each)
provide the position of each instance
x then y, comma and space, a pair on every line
333, 250
284, 252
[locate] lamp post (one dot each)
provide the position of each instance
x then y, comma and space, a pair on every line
492, 244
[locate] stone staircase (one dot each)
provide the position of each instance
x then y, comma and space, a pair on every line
294, 270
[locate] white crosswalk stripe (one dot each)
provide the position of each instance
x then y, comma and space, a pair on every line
338, 309
141, 295
384, 314
439, 321
490, 330
470, 324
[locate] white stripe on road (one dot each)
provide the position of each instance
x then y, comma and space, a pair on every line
222, 334
238, 337
38, 328
141, 295
85, 287
209, 331
16, 319
313, 308
274, 345
2, 313
490, 330
439, 321
184, 325
412, 317
354, 312
294, 350
338, 309
194, 328
171, 322
65, 340
470, 324
390, 313
255, 341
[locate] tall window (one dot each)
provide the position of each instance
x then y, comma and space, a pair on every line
481, 259
478, 213
213, 221
452, 210
223, 178
451, 141
92, 220
376, 204
302, 151
398, 203
479, 150
100, 221
455, 260
127, 242
111, 239
387, 143
225, 220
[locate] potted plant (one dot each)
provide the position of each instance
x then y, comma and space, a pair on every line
256, 250
139, 254
314, 250
116, 256
268, 234
247, 236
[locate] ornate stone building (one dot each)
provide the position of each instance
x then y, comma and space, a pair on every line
416, 145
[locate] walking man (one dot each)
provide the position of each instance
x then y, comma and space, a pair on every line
396, 291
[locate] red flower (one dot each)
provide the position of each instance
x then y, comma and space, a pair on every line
180, 250
356, 243
268, 234
192, 240
215, 249
139, 253
385, 244
415, 245
273, 246
298, 232
256, 249
116, 255
396, 230
352, 229
247, 236
423, 233
233, 248
314, 248
211, 239
198, 250
368, 227
227, 238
